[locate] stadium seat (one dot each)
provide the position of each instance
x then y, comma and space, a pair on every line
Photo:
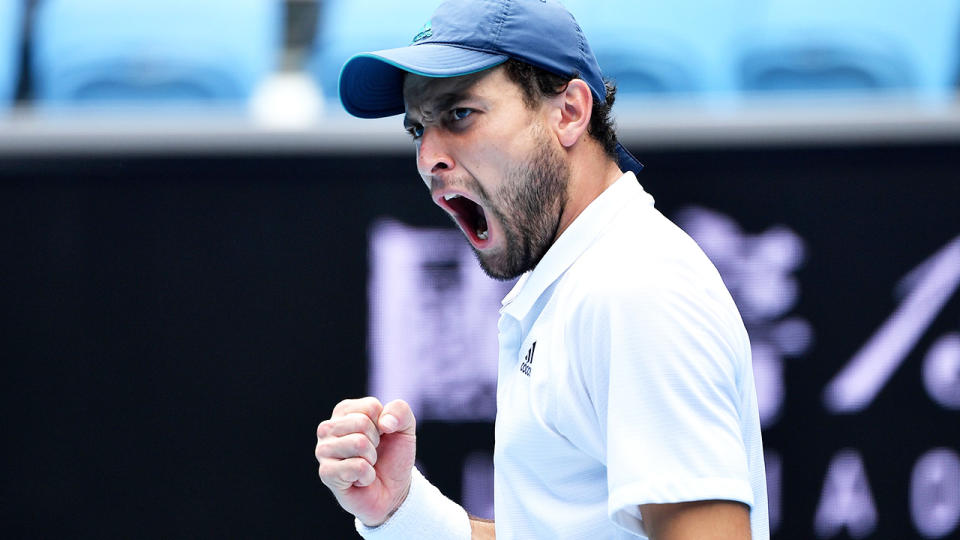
109, 52
348, 27
710, 47
657, 47
11, 24
861, 45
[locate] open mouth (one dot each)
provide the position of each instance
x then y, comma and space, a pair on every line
470, 216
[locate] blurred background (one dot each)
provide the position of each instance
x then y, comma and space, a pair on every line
202, 254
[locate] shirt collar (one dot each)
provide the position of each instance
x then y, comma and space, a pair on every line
572, 243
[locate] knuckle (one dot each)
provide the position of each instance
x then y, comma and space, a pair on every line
325, 471
350, 471
357, 421
342, 406
360, 444
366, 476
323, 449
369, 406
361, 468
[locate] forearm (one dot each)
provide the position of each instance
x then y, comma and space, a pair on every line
716, 519
482, 529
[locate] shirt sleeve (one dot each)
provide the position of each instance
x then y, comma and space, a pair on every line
661, 361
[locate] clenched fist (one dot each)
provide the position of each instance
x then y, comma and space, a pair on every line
366, 452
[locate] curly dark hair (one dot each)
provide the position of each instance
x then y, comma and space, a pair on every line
539, 83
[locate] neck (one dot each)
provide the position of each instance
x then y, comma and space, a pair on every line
591, 173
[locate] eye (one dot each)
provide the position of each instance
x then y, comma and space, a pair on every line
461, 113
415, 131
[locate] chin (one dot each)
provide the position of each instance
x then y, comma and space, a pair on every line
496, 266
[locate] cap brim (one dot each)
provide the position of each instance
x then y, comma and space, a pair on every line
371, 84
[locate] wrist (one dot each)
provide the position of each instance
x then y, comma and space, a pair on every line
403, 498
423, 513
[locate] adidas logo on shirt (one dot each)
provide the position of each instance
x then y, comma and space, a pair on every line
527, 364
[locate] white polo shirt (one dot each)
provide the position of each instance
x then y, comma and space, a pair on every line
624, 379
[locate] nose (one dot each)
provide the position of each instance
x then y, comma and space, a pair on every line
433, 155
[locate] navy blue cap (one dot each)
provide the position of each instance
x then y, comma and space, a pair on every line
467, 36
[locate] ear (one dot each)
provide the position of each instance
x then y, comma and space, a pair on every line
576, 104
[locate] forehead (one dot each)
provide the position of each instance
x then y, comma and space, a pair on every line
430, 93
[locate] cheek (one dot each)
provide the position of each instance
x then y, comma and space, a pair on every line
493, 159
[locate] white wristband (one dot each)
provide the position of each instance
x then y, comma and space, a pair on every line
425, 513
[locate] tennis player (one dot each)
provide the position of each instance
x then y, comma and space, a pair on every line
625, 403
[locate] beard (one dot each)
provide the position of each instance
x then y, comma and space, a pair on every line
528, 206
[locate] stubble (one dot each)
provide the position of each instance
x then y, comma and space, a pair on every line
528, 206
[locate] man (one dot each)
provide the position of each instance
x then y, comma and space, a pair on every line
626, 405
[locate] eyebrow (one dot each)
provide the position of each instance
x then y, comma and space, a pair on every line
440, 103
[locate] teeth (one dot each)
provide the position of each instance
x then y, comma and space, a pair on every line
483, 235
450, 196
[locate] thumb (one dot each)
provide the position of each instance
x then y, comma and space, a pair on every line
397, 417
